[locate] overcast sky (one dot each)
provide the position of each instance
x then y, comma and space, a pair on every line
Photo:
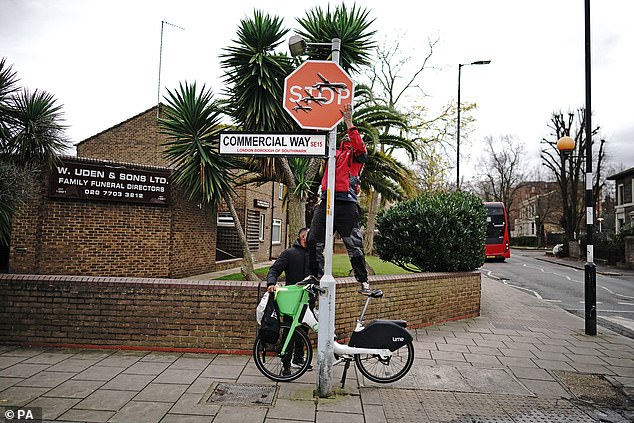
100, 58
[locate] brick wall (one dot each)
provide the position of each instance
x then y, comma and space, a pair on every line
138, 140
200, 315
135, 140
103, 238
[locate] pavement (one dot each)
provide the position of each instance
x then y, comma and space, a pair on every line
522, 360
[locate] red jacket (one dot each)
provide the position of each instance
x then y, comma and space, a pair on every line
350, 158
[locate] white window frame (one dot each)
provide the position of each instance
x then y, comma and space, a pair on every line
620, 194
262, 226
280, 194
225, 219
276, 238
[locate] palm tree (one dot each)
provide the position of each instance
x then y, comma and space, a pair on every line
31, 137
193, 124
384, 177
351, 26
254, 73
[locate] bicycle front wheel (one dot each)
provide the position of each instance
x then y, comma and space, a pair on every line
283, 368
389, 369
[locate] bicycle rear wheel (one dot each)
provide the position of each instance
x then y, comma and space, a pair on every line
285, 368
386, 370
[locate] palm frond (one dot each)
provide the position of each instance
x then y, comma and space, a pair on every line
351, 26
193, 124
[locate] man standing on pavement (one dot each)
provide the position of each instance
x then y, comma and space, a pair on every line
350, 157
293, 262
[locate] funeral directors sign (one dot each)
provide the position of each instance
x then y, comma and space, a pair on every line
267, 144
109, 182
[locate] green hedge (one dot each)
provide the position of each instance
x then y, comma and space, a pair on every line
436, 232
524, 241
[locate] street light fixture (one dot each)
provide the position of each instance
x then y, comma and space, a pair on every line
297, 46
460, 65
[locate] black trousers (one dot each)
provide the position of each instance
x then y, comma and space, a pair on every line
346, 224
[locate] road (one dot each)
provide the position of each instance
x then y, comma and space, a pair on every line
563, 285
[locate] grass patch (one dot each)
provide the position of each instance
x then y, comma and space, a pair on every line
340, 268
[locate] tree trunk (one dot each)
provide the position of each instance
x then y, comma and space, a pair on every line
247, 261
373, 211
296, 209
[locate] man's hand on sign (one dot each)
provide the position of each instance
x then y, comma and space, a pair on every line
347, 115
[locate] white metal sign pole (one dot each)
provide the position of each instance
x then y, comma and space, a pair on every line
326, 335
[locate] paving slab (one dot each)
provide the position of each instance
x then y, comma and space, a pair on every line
178, 376
52, 408
78, 415
299, 410
183, 418
237, 414
46, 379
20, 395
23, 370
147, 368
194, 404
127, 382
48, 358
161, 392
141, 412
441, 378
495, 381
107, 400
8, 361
102, 373
75, 389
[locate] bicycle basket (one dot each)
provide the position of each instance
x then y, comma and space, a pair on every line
288, 298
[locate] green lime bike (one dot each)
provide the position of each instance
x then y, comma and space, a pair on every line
383, 351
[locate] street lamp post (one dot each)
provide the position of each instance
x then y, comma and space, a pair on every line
460, 65
326, 334
589, 268
566, 145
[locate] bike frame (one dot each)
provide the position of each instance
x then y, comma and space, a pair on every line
309, 319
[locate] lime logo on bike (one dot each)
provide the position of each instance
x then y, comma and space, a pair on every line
396, 339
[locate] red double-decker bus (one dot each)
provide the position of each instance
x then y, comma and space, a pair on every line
497, 242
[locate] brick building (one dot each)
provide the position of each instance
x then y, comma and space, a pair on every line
624, 208
536, 212
102, 218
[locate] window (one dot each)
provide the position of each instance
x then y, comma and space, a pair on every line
253, 230
225, 220
620, 195
280, 194
276, 232
261, 227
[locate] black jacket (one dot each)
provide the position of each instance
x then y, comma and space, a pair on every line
293, 262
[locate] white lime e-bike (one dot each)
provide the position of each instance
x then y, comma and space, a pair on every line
382, 350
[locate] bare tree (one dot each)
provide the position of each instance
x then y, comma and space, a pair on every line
569, 172
503, 169
389, 79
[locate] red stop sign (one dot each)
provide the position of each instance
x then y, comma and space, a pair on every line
315, 94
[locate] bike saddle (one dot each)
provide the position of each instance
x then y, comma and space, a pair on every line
376, 293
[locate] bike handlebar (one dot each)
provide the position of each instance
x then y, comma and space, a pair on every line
316, 288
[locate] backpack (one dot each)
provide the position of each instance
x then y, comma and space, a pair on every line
270, 325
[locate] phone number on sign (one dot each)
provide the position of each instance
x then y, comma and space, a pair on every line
118, 194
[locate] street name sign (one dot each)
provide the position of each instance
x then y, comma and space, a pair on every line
269, 144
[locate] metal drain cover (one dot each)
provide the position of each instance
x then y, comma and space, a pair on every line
242, 394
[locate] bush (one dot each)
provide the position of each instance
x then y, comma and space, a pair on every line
524, 241
436, 232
